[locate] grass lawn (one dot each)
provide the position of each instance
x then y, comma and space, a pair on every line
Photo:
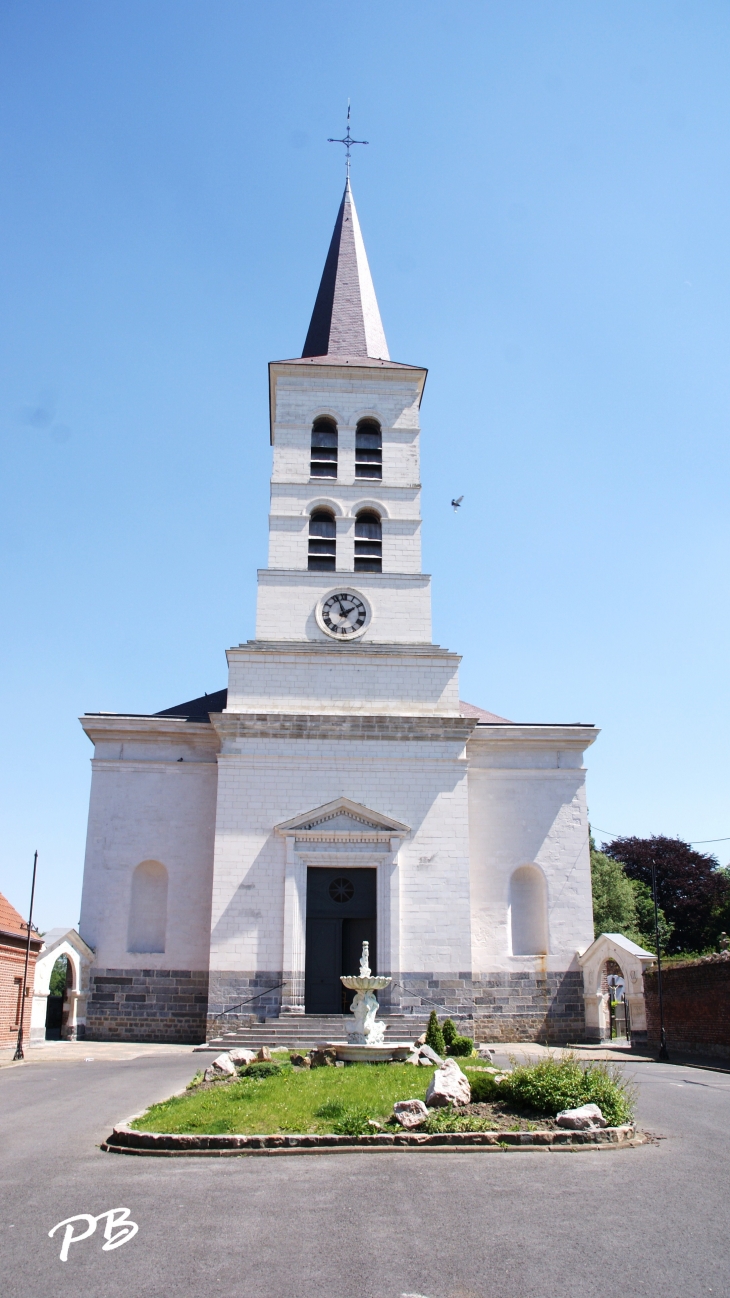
307, 1101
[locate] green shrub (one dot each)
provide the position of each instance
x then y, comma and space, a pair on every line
434, 1035
564, 1083
261, 1069
450, 1033
483, 1088
352, 1122
461, 1046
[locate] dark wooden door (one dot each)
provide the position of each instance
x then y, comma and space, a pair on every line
340, 917
322, 984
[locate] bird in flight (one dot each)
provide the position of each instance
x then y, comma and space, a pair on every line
456, 503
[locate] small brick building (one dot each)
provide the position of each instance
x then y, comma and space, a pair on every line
696, 997
13, 942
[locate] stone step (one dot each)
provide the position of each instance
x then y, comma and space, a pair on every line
307, 1030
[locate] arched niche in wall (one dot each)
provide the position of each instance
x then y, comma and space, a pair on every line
528, 911
148, 909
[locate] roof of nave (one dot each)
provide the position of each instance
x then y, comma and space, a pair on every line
198, 709
483, 718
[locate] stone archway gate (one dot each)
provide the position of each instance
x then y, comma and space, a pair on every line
58, 942
632, 961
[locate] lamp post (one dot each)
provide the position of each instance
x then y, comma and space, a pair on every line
19, 1048
663, 1052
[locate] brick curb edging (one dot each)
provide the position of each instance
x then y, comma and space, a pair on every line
124, 1140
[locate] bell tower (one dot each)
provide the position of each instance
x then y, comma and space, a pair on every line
345, 521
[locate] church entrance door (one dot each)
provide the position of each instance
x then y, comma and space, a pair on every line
341, 915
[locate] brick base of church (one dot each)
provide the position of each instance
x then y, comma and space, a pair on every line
153, 1005
503, 1006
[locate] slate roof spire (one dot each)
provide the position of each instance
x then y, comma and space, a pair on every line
346, 320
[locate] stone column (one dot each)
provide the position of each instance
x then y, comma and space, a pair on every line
295, 911
388, 923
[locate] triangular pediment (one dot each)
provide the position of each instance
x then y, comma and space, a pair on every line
343, 816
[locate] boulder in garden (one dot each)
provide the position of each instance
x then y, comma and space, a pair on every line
239, 1056
427, 1053
326, 1058
410, 1113
585, 1118
448, 1086
264, 1055
223, 1066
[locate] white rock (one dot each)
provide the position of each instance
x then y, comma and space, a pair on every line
240, 1056
224, 1066
430, 1054
280, 1050
414, 1058
410, 1113
585, 1118
448, 1086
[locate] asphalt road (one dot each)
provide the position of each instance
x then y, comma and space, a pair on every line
649, 1221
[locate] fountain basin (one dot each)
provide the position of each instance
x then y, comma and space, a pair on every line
357, 1053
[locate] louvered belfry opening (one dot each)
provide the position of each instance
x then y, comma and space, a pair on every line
323, 463
368, 542
368, 449
322, 555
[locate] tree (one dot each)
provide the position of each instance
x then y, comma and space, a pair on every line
614, 904
434, 1035
623, 905
692, 891
57, 984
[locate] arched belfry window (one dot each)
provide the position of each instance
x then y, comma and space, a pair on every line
368, 542
368, 449
148, 908
322, 543
528, 911
323, 462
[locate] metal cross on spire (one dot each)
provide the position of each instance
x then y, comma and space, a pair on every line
347, 141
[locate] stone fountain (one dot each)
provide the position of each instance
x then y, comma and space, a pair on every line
366, 1038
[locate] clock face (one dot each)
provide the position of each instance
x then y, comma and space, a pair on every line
343, 615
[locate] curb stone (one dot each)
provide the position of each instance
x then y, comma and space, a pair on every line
125, 1140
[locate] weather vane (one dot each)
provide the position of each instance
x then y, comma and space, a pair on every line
347, 141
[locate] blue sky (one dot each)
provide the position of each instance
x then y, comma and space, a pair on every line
544, 201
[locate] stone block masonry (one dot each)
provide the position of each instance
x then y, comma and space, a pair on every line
547, 1008
696, 997
153, 1005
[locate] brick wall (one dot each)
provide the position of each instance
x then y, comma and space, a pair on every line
12, 963
147, 1005
696, 999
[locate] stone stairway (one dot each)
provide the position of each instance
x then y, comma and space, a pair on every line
302, 1031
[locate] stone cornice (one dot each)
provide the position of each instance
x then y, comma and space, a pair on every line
535, 736
146, 729
369, 649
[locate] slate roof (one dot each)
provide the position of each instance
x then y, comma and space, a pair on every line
483, 718
346, 320
197, 709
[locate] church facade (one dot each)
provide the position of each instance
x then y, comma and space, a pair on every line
242, 845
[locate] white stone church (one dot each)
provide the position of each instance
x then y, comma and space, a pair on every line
242, 845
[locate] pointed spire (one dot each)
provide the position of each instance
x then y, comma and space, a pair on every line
346, 320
